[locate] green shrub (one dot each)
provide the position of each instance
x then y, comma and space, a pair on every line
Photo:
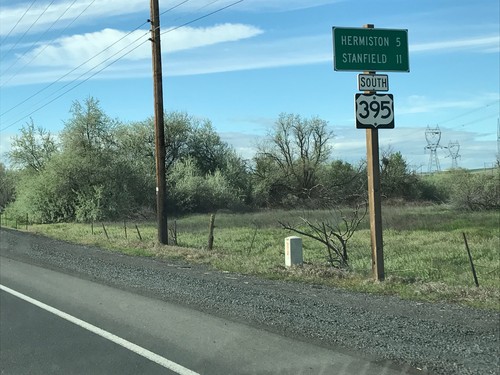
190, 191
473, 191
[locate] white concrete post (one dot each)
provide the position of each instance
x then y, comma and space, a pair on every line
293, 251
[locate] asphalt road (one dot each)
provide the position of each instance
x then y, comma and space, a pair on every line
35, 341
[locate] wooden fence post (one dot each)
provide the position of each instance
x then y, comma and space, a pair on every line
138, 233
105, 231
211, 232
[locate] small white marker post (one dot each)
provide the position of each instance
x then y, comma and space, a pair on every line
293, 251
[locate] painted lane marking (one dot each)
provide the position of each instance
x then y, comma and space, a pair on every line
105, 334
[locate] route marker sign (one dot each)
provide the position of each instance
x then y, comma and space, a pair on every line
374, 111
370, 49
373, 82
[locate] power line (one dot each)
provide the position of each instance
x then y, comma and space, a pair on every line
175, 6
81, 75
29, 28
475, 121
17, 23
76, 68
106, 66
469, 112
202, 17
85, 62
32, 45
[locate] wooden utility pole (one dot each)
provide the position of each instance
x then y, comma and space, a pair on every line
160, 152
374, 199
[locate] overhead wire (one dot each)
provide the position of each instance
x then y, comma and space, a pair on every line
469, 112
106, 66
83, 74
17, 23
29, 28
174, 7
202, 17
32, 45
73, 87
85, 62
462, 115
74, 69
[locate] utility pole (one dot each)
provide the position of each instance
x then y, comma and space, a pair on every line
160, 152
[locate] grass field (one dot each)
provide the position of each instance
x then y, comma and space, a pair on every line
424, 251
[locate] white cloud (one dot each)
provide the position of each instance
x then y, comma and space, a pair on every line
278, 5
10, 15
423, 104
486, 44
100, 9
189, 37
110, 44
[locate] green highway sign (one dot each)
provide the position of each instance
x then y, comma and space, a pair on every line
365, 49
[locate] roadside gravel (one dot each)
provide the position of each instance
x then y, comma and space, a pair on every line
437, 338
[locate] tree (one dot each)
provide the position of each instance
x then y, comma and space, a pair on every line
206, 147
343, 182
195, 191
295, 149
88, 179
395, 178
190, 143
33, 148
334, 233
89, 132
7, 187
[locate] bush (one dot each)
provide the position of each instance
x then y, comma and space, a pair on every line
190, 191
473, 191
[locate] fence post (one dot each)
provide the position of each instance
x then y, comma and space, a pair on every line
470, 261
125, 228
138, 233
105, 231
211, 232
27, 221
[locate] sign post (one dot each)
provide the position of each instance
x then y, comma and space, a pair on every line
370, 50
374, 196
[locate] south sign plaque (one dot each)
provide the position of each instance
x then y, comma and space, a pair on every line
370, 49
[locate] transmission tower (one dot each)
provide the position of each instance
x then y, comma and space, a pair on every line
433, 136
453, 149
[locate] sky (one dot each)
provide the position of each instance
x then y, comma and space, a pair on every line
242, 63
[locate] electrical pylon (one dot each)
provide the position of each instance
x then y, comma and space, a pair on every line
453, 149
433, 136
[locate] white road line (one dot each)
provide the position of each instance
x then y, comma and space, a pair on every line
107, 335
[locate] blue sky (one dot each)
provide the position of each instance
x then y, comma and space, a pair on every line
243, 66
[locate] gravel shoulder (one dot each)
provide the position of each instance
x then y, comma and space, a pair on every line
437, 338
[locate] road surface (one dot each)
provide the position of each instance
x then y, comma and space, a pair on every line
36, 341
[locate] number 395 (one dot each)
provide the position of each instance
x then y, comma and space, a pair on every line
375, 108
